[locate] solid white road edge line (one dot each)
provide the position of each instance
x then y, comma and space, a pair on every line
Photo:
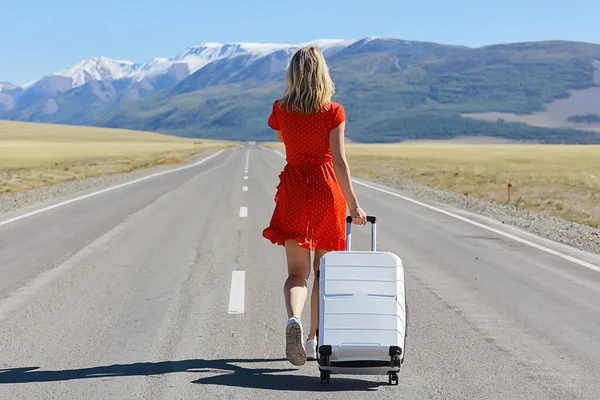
243, 212
108, 189
237, 293
479, 225
488, 228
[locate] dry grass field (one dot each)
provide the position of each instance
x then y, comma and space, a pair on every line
562, 181
34, 155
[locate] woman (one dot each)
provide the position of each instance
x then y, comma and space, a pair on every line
315, 188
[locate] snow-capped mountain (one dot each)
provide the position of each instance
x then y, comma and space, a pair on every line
223, 90
194, 58
92, 69
85, 91
200, 55
98, 69
71, 91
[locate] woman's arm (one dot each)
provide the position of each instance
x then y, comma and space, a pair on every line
279, 136
342, 172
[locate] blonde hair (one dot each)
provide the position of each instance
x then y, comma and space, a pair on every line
309, 86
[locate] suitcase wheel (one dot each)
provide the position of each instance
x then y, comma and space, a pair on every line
393, 378
324, 354
395, 356
325, 376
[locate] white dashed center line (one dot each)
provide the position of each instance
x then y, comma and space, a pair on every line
237, 293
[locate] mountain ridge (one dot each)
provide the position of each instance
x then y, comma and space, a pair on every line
194, 56
124, 80
404, 89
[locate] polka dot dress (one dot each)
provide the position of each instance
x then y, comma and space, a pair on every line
310, 207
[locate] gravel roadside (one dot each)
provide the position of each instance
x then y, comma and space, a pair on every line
579, 236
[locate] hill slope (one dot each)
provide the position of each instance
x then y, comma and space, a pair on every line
393, 90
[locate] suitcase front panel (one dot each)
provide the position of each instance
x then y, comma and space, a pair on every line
383, 324
379, 274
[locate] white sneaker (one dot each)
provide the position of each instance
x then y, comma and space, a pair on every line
311, 350
294, 342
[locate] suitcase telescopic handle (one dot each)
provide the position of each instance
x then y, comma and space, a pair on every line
370, 218
373, 221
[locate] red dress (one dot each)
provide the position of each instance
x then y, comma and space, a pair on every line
310, 207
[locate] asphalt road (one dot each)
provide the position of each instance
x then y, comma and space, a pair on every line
126, 295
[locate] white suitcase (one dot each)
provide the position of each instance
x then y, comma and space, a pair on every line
363, 314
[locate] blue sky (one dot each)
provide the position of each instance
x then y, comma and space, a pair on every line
40, 36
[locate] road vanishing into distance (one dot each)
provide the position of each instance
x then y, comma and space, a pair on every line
163, 288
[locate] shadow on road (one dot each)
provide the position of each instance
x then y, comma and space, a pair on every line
229, 373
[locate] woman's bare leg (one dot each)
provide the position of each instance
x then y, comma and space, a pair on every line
295, 288
295, 291
314, 298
